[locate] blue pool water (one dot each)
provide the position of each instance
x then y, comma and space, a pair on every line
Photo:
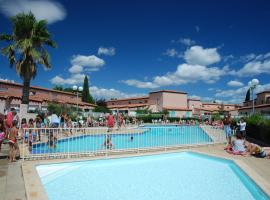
174, 176
151, 137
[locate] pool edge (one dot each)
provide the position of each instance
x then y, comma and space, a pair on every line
36, 191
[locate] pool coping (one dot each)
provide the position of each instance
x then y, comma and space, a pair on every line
36, 191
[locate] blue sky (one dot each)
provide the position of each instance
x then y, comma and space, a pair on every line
210, 49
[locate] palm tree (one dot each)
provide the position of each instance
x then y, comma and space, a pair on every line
26, 48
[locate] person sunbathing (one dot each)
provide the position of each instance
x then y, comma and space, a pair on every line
238, 146
258, 151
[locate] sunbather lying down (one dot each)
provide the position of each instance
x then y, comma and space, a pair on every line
242, 147
258, 151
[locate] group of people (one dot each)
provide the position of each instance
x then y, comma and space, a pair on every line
240, 146
9, 132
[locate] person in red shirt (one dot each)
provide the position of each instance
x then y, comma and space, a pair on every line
110, 122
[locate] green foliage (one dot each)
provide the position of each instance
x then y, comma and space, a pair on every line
102, 109
143, 111
58, 87
216, 116
256, 120
258, 128
101, 106
26, 48
247, 95
86, 97
60, 108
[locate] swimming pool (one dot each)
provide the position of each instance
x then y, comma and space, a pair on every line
171, 176
151, 136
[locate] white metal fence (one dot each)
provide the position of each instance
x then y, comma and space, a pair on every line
47, 143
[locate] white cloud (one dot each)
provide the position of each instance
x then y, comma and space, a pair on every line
235, 83
75, 69
197, 55
97, 92
87, 61
140, 84
73, 79
106, 51
184, 74
80, 64
238, 95
187, 41
50, 10
6, 80
254, 68
171, 53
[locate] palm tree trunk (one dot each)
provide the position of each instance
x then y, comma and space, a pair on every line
25, 94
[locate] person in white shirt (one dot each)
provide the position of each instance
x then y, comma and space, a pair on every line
242, 125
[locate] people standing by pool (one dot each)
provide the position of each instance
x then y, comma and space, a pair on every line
38, 122
9, 119
110, 122
120, 120
2, 132
55, 121
108, 142
228, 131
12, 141
46, 121
242, 127
24, 126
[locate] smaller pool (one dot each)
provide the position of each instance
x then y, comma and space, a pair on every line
153, 136
173, 176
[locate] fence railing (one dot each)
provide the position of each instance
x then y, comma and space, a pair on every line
46, 143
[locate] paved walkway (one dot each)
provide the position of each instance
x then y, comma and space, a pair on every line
11, 178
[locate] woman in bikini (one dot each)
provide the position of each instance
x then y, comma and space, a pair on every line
12, 141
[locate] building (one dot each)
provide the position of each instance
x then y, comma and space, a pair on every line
177, 103
11, 93
261, 104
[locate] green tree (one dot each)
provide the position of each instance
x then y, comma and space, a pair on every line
247, 95
86, 97
58, 87
26, 49
101, 106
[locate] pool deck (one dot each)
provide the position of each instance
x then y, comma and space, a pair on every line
20, 180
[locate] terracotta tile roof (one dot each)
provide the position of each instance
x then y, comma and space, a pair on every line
177, 108
39, 88
53, 96
266, 91
168, 91
256, 106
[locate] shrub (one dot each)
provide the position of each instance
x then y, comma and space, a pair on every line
258, 128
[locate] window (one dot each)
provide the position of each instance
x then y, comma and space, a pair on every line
140, 102
262, 101
32, 92
129, 102
112, 103
145, 101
